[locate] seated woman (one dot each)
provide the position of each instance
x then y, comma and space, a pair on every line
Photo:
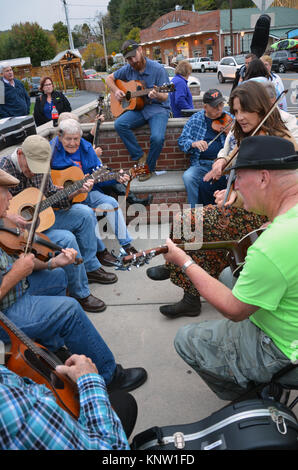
181, 98
249, 103
47, 100
70, 149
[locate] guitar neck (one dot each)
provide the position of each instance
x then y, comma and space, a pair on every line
14, 331
98, 175
144, 92
218, 245
96, 134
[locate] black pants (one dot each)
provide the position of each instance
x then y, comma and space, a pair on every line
125, 406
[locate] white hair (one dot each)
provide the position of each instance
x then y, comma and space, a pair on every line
67, 115
4, 66
69, 126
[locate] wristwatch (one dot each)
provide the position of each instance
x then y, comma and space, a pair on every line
186, 265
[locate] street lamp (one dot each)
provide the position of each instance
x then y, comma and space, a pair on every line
242, 36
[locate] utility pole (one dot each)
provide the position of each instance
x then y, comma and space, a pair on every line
231, 27
104, 44
68, 26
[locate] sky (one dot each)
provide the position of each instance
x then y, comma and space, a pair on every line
48, 12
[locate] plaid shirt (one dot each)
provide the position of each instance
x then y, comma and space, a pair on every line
195, 129
6, 262
8, 165
30, 418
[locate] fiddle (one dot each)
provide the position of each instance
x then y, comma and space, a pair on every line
13, 240
223, 123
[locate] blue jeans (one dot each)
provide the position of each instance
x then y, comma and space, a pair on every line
57, 320
76, 274
115, 217
133, 119
199, 191
81, 221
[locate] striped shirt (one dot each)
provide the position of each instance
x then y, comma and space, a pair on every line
30, 418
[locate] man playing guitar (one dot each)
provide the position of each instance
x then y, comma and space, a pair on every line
155, 112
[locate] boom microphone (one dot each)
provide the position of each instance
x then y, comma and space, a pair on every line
261, 35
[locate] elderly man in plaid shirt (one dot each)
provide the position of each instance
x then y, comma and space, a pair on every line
30, 418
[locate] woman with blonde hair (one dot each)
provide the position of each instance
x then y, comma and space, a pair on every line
181, 98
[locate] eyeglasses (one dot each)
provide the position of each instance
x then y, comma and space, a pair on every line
48, 84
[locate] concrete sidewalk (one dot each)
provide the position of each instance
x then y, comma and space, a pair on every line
139, 335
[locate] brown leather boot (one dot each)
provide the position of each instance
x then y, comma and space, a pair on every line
100, 276
106, 258
92, 304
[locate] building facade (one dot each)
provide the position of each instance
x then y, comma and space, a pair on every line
181, 34
184, 34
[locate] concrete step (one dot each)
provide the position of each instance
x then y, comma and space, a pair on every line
163, 182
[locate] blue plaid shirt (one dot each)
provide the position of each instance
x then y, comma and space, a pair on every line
195, 129
30, 418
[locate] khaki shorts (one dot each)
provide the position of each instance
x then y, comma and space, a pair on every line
230, 357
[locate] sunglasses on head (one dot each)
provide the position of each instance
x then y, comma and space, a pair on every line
130, 48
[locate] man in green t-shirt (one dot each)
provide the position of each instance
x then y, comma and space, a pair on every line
259, 333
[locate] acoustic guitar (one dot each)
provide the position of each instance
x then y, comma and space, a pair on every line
29, 359
135, 94
237, 251
71, 179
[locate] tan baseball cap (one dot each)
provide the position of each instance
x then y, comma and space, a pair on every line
7, 180
38, 153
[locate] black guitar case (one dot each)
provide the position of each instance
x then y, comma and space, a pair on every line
14, 130
249, 425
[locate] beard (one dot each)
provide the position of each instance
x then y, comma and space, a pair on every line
140, 65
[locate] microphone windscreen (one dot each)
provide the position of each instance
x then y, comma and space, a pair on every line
260, 36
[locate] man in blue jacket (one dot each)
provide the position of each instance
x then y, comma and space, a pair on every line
17, 100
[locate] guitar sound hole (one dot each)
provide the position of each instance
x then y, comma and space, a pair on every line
41, 367
67, 183
27, 213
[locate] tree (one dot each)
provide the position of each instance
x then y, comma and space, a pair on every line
30, 40
60, 31
93, 53
134, 34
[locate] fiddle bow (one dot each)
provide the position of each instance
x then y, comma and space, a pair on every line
232, 174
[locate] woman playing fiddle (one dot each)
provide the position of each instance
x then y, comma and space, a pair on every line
249, 103
202, 143
47, 100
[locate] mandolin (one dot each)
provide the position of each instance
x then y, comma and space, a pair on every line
237, 250
135, 92
72, 179
29, 359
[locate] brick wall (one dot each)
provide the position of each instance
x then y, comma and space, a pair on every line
116, 154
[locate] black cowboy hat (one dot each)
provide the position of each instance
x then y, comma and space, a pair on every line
265, 152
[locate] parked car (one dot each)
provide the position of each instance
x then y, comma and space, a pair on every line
227, 67
191, 81
201, 64
89, 73
284, 60
32, 85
